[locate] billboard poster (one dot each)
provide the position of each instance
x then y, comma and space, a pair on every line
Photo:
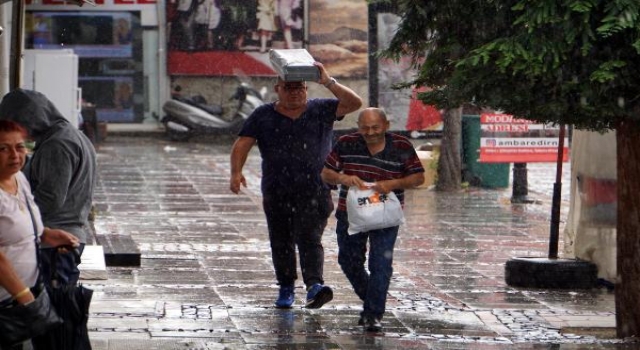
404, 110
338, 36
230, 37
507, 139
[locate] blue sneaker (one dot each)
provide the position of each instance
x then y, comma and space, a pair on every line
286, 297
318, 295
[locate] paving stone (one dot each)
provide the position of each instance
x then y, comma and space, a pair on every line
93, 265
205, 278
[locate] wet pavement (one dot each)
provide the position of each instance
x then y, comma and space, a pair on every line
206, 279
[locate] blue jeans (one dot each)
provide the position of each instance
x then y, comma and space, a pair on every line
371, 287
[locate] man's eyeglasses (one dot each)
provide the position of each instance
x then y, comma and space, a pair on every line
292, 88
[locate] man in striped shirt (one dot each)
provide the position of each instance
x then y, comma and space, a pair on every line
389, 161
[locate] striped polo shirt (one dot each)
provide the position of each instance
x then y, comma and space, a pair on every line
351, 156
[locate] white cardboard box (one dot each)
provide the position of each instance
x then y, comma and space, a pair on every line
294, 65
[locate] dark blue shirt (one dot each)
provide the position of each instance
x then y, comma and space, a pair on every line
293, 150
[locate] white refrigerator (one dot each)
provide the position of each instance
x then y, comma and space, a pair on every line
55, 74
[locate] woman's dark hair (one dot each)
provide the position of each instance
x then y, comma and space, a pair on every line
11, 126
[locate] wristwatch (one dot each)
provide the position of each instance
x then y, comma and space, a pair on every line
331, 82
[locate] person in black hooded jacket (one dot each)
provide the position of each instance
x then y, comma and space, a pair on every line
61, 172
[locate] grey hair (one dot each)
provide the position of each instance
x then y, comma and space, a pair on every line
379, 111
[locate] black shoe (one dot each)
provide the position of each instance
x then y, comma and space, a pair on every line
372, 324
318, 295
361, 321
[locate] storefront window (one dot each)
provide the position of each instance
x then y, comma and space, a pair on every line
109, 48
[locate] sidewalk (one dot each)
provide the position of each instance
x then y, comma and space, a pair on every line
206, 280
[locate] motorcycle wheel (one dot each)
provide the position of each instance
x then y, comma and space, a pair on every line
178, 136
172, 133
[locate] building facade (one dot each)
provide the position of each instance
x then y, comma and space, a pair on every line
134, 53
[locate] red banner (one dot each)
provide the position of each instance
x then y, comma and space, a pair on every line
506, 139
227, 63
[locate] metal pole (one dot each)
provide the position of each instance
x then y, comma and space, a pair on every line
554, 233
520, 186
15, 60
373, 60
306, 17
5, 46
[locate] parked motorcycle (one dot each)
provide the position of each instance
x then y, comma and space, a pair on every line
186, 117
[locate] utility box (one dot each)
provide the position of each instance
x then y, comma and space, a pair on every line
54, 73
488, 175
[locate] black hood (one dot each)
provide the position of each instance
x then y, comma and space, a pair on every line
32, 110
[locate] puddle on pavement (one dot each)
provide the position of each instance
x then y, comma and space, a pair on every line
586, 300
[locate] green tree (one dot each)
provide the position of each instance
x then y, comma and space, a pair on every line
552, 61
447, 38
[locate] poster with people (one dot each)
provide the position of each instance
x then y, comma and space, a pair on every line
219, 37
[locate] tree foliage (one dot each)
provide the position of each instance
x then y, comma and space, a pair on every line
552, 61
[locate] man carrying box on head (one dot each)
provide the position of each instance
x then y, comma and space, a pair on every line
294, 135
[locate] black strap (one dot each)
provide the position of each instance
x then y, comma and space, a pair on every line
40, 281
35, 227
